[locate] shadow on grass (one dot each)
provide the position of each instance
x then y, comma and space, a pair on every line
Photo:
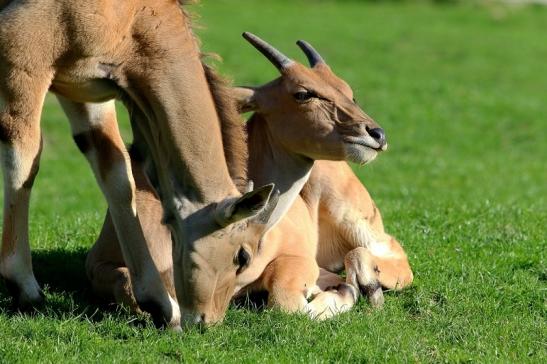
61, 274
254, 301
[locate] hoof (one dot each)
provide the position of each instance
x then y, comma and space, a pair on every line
155, 311
177, 329
23, 301
374, 294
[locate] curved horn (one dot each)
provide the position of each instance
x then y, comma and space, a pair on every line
278, 59
313, 56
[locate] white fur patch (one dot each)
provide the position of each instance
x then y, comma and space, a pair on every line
360, 154
175, 317
119, 183
13, 168
328, 304
368, 239
84, 117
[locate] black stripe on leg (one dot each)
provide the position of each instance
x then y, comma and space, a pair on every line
82, 141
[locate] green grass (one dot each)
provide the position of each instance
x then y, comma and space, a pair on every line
461, 92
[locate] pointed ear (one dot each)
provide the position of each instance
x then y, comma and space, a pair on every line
249, 205
265, 217
245, 98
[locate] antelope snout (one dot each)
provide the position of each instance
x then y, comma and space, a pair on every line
378, 135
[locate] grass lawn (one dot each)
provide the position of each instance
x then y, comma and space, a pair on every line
462, 94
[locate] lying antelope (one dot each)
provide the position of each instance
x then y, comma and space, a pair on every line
337, 206
287, 132
144, 53
351, 232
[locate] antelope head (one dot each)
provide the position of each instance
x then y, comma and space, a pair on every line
205, 273
311, 111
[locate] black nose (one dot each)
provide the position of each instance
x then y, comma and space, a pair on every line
378, 134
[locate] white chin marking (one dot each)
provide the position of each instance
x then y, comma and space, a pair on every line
359, 153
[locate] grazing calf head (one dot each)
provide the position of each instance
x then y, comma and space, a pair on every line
205, 272
311, 111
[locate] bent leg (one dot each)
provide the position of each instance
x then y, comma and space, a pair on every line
361, 272
334, 295
292, 280
370, 272
21, 100
106, 270
393, 268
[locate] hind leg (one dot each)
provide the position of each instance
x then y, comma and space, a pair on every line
334, 296
113, 283
21, 100
370, 272
291, 281
106, 270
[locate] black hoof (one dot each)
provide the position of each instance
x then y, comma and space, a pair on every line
374, 294
154, 309
20, 301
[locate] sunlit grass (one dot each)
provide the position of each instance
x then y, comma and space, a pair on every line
460, 92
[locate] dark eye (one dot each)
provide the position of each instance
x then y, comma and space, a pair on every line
354, 100
303, 96
242, 260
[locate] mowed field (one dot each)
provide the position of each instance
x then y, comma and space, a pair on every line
462, 94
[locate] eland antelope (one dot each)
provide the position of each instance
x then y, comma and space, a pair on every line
143, 52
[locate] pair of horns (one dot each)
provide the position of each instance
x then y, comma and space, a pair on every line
280, 60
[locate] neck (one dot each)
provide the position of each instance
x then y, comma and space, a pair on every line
183, 133
270, 162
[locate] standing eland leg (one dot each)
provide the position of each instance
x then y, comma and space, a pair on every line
21, 99
96, 134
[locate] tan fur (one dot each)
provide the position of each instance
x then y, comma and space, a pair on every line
144, 53
347, 219
284, 138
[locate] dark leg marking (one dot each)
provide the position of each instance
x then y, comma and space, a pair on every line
15, 293
103, 145
82, 141
344, 289
154, 309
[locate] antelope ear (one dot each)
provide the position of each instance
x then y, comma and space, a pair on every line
245, 98
266, 215
250, 204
